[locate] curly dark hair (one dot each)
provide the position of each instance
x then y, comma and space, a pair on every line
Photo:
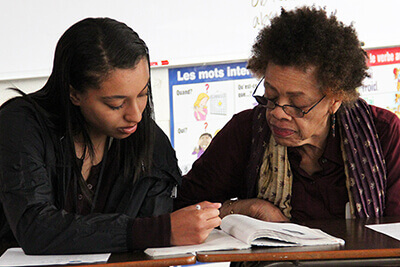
307, 37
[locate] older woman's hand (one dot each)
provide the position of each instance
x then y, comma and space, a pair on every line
254, 207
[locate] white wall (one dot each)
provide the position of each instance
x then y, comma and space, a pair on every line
26, 85
160, 87
181, 31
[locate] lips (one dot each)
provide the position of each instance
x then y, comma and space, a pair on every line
128, 130
281, 132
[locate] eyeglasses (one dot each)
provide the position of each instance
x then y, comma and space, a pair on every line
288, 109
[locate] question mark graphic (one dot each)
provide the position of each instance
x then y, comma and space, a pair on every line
205, 125
207, 86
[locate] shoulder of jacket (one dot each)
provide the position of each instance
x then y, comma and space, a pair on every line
17, 108
384, 118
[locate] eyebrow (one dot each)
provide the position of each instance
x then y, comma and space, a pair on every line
123, 96
298, 93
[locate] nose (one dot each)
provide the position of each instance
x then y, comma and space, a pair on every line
279, 113
133, 113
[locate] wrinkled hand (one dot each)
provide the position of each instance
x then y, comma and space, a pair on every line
254, 207
191, 226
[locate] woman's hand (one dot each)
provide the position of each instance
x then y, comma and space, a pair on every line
257, 208
191, 225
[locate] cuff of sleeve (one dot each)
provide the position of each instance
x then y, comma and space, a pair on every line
149, 232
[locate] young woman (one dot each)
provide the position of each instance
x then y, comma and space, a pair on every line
83, 166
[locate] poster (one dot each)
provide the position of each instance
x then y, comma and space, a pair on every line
382, 88
203, 99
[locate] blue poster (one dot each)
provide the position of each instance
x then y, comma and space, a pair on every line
202, 100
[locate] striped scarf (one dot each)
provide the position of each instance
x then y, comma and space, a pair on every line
363, 162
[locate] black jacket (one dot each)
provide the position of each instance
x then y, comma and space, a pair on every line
136, 215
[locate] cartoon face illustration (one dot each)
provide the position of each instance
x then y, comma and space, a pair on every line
200, 108
202, 144
204, 140
203, 102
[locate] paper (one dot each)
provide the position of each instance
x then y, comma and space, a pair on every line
390, 229
17, 257
217, 240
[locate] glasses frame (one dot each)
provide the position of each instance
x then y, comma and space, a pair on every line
262, 100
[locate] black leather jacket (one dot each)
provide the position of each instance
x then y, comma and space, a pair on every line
136, 215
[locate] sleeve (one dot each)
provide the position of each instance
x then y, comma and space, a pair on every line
152, 225
28, 197
160, 187
388, 127
219, 173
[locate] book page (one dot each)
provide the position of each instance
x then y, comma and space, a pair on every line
217, 240
249, 230
239, 226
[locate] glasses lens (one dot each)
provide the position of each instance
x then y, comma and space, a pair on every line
293, 111
270, 104
261, 100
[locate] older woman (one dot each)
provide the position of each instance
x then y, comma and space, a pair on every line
311, 148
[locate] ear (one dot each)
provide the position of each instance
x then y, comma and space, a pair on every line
75, 96
336, 103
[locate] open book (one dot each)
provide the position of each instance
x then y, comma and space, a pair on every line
241, 232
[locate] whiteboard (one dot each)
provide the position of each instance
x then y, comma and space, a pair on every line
179, 31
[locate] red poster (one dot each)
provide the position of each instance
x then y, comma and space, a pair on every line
383, 56
382, 88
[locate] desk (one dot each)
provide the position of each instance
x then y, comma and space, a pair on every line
139, 258
362, 244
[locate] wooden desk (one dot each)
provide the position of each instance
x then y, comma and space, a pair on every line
361, 243
139, 258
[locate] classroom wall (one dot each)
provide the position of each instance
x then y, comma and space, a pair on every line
26, 85
178, 32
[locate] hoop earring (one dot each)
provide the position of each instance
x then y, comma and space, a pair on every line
333, 124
